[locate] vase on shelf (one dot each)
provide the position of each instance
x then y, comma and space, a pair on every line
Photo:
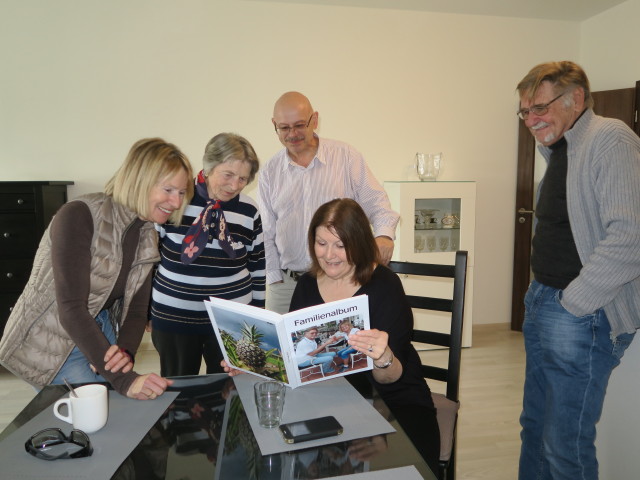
428, 166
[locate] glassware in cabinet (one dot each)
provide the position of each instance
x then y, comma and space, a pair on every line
436, 220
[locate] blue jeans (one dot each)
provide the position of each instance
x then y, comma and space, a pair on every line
324, 358
569, 361
345, 352
76, 368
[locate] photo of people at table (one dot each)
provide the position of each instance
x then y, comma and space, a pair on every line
327, 346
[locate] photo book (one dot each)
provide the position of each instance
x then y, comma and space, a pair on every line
278, 347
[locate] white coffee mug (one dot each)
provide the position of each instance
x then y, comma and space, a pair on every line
88, 411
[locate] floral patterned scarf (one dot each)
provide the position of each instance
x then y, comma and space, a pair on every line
209, 224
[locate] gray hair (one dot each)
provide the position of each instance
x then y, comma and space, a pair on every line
225, 147
563, 76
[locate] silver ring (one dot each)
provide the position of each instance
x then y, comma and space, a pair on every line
370, 348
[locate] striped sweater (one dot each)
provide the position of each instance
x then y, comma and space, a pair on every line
179, 290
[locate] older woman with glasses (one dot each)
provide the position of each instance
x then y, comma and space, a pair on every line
216, 251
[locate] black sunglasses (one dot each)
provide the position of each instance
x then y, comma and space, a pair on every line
53, 444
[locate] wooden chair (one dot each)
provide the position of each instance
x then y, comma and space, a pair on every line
448, 404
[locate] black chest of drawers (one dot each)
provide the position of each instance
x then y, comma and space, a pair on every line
26, 208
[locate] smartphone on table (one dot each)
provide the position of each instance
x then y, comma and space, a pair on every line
311, 429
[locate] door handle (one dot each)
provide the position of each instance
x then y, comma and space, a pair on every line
522, 211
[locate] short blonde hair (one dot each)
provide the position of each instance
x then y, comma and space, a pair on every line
149, 161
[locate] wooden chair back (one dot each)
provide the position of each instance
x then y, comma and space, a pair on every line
447, 404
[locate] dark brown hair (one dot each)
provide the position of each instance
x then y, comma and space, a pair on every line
346, 219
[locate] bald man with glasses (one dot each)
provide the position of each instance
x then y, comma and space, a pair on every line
308, 172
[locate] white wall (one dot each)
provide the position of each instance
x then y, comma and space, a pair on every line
608, 44
83, 79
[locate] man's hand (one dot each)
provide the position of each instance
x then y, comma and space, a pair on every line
385, 247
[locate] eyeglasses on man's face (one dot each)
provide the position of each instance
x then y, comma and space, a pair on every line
285, 129
538, 110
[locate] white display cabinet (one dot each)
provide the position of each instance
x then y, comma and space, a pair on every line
436, 219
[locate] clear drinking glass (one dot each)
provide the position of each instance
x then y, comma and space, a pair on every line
269, 397
431, 243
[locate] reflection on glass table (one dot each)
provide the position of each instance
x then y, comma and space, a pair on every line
205, 433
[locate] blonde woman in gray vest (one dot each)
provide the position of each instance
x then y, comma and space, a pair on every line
83, 312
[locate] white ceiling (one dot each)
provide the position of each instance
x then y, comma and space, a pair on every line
572, 10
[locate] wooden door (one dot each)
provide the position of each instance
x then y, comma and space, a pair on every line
623, 104
523, 231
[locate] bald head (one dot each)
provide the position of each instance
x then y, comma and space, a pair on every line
292, 101
294, 121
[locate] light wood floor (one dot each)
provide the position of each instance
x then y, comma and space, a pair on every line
491, 397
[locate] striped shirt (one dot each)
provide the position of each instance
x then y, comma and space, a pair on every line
179, 289
290, 194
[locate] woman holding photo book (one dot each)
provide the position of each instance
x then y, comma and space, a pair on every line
345, 263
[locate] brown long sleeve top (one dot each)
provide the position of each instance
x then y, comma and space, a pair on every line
71, 237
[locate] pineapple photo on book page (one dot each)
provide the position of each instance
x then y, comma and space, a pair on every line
305, 346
